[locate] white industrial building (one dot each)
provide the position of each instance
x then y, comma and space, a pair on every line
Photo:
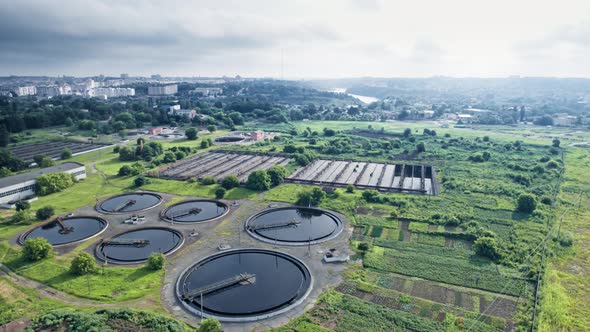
22, 186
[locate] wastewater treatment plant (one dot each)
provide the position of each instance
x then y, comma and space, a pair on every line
258, 237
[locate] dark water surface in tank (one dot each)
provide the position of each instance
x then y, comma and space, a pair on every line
161, 240
82, 228
279, 281
314, 225
209, 210
142, 201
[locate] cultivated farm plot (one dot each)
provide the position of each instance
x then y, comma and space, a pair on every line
53, 150
220, 165
368, 175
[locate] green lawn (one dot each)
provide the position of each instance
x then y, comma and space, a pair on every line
111, 284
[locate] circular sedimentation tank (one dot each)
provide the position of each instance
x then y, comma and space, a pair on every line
62, 231
135, 246
294, 226
244, 285
127, 203
229, 139
195, 211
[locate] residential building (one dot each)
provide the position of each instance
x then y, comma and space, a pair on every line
111, 92
188, 113
257, 135
169, 89
30, 90
155, 130
170, 109
565, 121
22, 186
207, 91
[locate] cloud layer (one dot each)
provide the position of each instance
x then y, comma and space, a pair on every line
326, 38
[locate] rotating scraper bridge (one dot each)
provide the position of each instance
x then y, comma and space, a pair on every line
408, 178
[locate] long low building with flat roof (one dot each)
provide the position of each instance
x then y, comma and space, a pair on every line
21, 186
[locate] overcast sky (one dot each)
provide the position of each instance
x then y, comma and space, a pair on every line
318, 38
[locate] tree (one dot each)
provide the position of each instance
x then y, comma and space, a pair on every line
68, 122
277, 174
4, 136
219, 193
211, 128
43, 161
22, 205
204, 144
210, 325
230, 181
66, 154
486, 247
83, 264
52, 183
37, 248
191, 134
407, 132
556, 143
156, 261
45, 212
526, 203
259, 180
486, 138
311, 197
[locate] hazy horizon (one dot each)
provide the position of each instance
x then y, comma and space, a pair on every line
296, 40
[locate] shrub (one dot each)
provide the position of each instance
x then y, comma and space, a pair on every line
191, 134
204, 144
211, 128
37, 248
66, 154
219, 193
210, 325
179, 155
363, 246
371, 196
45, 212
420, 147
486, 247
566, 239
140, 181
21, 217
53, 182
22, 205
311, 197
156, 261
124, 170
556, 143
350, 188
230, 181
208, 180
526, 203
83, 264
277, 174
116, 149
259, 180
169, 157
552, 164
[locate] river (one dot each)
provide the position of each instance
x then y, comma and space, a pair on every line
364, 99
